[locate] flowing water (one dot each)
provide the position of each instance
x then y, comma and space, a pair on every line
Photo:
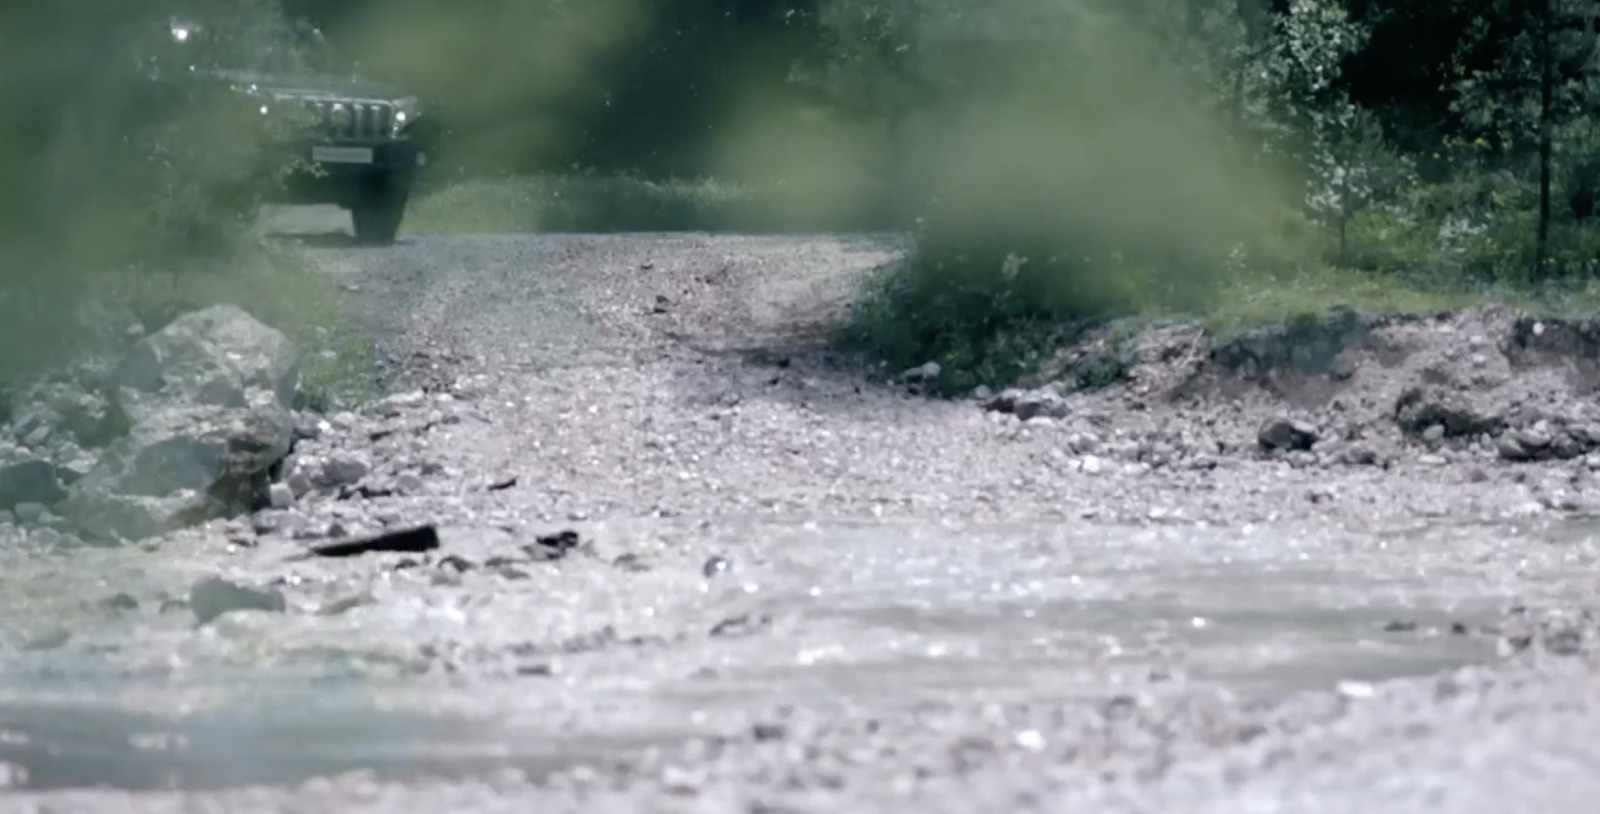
859, 614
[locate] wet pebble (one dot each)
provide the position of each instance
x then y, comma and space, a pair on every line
715, 567
213, 597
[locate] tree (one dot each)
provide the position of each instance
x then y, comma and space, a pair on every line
1538, 85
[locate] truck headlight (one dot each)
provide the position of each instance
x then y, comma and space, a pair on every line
183, 29
406, 111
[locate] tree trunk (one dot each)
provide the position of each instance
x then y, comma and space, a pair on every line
1541, 250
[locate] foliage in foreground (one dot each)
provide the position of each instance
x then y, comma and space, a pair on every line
131, 182
1495, 200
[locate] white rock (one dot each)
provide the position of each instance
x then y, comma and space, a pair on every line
281, 495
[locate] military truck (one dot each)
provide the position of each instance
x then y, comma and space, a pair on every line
359, 144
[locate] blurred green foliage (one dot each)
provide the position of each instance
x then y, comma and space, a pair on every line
123, 167
1057, 161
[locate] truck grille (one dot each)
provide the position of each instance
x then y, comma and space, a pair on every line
363, 121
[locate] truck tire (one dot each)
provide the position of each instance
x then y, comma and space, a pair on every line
376, 214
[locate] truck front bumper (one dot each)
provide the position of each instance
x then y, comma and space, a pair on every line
341, 172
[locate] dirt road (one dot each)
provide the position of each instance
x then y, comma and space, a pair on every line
793, 585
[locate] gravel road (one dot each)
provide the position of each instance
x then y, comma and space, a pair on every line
790, 584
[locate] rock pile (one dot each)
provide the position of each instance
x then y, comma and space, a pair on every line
189, 425
1350, 389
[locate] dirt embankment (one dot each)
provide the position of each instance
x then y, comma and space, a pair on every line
1478, 395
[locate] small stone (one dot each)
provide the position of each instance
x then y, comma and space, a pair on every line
1302, 459
1005, 401
46, 536
1284, 433
299, 483
280, 495
283, 522
1511, 448
213, 597
1040, 403
927, 372
982, 393
1092, 465
1433, 434
345, 469
714, 567
1566, 447
409, 483
50, 638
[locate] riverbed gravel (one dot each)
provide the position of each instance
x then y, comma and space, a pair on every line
694, 559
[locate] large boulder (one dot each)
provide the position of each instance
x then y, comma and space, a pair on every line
207, 404
219, 356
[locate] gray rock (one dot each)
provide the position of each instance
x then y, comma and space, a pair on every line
215, 451
399, 403
1040, 404
282, 522
310, 426
33, 428
219, 356
1567, 447
31, 513
29, 479
280, 495
1419, 408
1284, 433
925, 372
1004, 402
1083, 443
1433, 434
64, 408
1511, 448
213, 597
102, 516
72, 463
207, 405
345, 469
299, 483
409, 483
1536, 437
